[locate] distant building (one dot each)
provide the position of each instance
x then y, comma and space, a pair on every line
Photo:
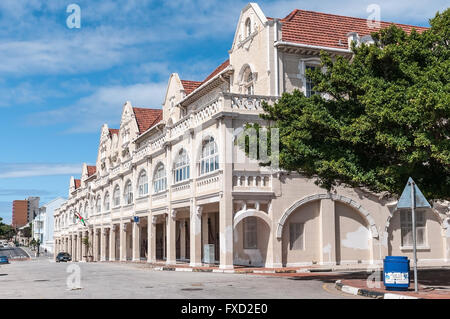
19, 213
33, 208
43, 224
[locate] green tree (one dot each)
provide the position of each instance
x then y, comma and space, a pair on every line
382, 116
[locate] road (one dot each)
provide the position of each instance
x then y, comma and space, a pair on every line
44, 279
13, 253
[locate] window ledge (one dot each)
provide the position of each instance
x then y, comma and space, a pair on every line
419, 248
142, 197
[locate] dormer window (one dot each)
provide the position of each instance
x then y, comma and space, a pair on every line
248, 27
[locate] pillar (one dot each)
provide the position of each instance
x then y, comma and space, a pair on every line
83, 246
195, 233
136, 256
112, 242
103, 245
171, 237
151, 241
123, 242
96, 244
182, 239
327, 229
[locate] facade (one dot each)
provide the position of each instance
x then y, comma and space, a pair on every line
43, 224
33, 208
19, 213
172, 185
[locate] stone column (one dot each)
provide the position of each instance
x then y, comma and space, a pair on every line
112, 242
195, 242
136, 256
171, 237
79, 244
226, 200
123, 241
151, 238
103, 245
83, 246
95, 250
182, 239
327, 230
69, 244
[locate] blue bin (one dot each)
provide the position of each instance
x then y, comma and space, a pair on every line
396, 273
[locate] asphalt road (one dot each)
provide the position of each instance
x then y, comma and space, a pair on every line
44, 279
13, 253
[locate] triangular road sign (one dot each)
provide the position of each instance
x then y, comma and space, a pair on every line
405, 200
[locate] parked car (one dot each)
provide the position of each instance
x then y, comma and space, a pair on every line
4, 260
65, 257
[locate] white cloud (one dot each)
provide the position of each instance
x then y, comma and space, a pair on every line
21, 170
105, 105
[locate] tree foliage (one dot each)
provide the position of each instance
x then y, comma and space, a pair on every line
381, 117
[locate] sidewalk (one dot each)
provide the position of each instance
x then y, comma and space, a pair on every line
433, 284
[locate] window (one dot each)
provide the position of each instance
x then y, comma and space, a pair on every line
248, 81
116, 196
159, 179
296, 236
143, 184
250, 233
248, 27
98, 205
210, 157
128, 193
106, 202
181, 171
86, 210
309, 84
406, 228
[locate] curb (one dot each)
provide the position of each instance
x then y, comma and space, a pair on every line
230, 271
370, 293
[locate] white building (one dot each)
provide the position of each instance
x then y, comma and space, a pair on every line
168, 183
43, 223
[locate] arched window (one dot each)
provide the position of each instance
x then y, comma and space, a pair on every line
98, 205
106, 202
248, 27
247, 81
86, 210
128, 193
181, 170
116, 196
159, 179
143, 184
210, 157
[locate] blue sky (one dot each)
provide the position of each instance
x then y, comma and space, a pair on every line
59, 85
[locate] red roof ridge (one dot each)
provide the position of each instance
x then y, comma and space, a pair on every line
146, 117
217, 70
91, 170
293, 13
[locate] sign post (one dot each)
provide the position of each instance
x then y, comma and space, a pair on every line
413, 198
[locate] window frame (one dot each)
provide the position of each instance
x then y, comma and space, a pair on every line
209, 157
159, 179
128, 192
116, 197
181, 170
106, 202
250, 232
406, 228
143, 183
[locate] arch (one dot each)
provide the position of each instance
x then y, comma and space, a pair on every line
343, 199
142, 183
242, 214
393, 208
181, 166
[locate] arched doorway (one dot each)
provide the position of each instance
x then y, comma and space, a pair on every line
251, 238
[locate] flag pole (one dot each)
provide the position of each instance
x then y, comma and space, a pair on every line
413, 205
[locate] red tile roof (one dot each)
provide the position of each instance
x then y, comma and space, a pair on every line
190, 86
77, 183
323, 29
146, 118
113, 131
219, 69
91, 170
